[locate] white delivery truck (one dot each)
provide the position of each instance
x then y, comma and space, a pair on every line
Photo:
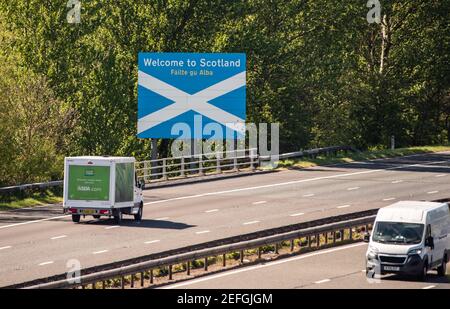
409, 238
101, 186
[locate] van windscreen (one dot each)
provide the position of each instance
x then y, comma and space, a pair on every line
398, 232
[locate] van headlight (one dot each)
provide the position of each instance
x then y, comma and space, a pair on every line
372, 254
415, 251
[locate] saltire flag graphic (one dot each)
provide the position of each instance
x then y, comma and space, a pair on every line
177, 87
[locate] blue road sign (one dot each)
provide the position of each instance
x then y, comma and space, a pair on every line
205, 91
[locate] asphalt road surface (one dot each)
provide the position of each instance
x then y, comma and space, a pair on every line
339, 267
39, 242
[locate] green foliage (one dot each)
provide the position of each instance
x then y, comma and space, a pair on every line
316, 67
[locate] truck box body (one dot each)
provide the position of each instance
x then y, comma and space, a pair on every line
99, 182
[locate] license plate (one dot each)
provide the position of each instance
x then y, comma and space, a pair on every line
392, 268
88, 211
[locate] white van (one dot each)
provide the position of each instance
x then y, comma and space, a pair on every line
409, 238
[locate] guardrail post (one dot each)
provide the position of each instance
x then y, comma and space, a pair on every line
241, 256
103, 284
218, 168
200, 166
276, 248
292, 245
309, 241
93, 286
252, 160
164, 169
132, 281
351, 233
146, 171
182, 174
317, 240
170, 272
188, 268
259, 253
206, 264
151, 276
142, 279
224, 260
235, 166
326, 238
342, 235
334, 236
122, 282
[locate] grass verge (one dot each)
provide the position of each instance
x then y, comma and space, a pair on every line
359, 156
30, 200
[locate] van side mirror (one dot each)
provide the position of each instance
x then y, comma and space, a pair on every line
366, 237
429, 242
141, 184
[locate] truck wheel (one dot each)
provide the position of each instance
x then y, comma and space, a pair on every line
96, 216
442, 270
138, 216
76, 218
118, 217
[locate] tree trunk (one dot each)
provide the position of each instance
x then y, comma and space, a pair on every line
385, 42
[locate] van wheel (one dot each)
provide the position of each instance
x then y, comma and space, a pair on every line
423, 275
96, 216
138, 216
76, 218
442, 270
118, 217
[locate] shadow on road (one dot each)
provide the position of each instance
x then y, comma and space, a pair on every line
431, 278
144, 223
430, 163
30, 214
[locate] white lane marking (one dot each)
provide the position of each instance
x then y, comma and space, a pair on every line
428, 287
259, 202
389, 199
33, 221
250, 222
161, 219
202, 232
99, 252
308, 195
322, 281
5, 247
397, 181
343, 206
46, 263
255, 267
441, 175
283, 183
297, 214
112, 227
58, 237
353, 188
152, 241
432, 192
211, 210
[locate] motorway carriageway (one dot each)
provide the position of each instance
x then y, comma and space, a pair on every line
38, 242
335, 268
